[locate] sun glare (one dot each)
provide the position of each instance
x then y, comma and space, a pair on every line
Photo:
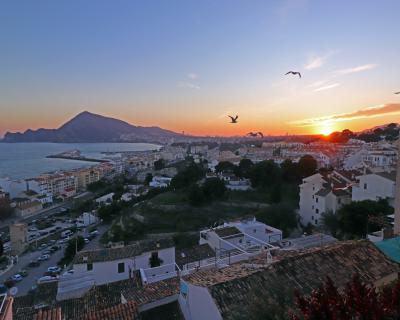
326, 130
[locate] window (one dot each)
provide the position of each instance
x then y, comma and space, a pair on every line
121, 267
339, 201
254, 230
316, 199
316, 221
89, 267
312, 217
365, 186
240, 240
313, 207
316, 211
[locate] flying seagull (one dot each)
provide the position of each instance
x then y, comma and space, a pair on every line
252, 134
397, 92
260, 134
234, 119
293, 73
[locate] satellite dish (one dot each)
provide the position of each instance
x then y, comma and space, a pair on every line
13, 291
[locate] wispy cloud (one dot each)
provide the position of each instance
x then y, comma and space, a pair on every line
189, 85
371, 112
314, 63
362, 68
329, 86
193, 76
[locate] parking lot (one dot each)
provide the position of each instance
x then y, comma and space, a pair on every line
36, 272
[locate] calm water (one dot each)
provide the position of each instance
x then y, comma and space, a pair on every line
26, 160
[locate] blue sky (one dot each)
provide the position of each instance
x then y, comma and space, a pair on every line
184, 65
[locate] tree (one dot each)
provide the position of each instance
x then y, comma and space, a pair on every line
276, 195
290, 172
307, 166
265, 174
187, 176
159, 164
195, 195
213, 188
108, 212
225, 166
330, 222
74, 245
243, 169
356, 301
353, 217
281, 216
148, 179
5, 209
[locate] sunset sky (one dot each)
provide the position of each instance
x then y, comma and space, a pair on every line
185, 65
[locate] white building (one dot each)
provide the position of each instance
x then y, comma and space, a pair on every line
244, 237
106, 199
13, 187
114, 264
322, 194
375, 186
86, 219
160, 182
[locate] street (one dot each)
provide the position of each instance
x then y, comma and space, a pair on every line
37, 272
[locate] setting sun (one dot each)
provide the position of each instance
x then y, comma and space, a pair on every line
326, 130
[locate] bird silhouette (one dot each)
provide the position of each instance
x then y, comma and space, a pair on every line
252, 134
397, 92
293, 73
260, 134
234, 119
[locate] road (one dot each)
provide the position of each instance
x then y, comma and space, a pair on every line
37, 272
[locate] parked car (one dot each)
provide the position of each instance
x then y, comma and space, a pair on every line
47, 279
33, 229
44, 257
23, 273
43, 246
95, 232
34, 264
54, 269
17, 277
68, 273
47, 251
86, 240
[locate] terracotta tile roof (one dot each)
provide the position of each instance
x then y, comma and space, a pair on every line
49, 314
104, 297
227, 231
195, 253
123, 311
232, 286
129, 251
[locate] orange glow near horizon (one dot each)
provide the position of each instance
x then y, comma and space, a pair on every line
217, 126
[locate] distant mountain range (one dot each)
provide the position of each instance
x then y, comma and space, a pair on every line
90, 127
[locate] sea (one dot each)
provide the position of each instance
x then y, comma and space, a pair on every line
28, 160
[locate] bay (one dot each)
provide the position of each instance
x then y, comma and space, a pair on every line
28, 160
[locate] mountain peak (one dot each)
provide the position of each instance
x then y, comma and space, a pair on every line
90, 127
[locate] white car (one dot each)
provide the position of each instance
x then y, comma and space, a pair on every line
54, 269
68, 273
44, 257
47, 279
17, 277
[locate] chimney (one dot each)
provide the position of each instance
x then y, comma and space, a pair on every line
397, 194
